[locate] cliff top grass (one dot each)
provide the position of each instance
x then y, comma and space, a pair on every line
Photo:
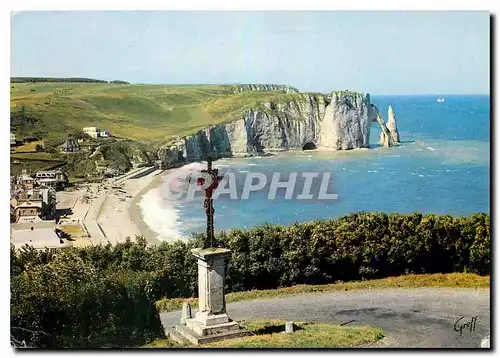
152, 113
449, 280
267, 333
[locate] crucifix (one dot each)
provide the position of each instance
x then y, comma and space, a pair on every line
211, 322
209, 203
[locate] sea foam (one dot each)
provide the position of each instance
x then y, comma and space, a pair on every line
161, 214
164, 220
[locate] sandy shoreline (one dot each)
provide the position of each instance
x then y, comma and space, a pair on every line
113, 213
120, 215
135, 213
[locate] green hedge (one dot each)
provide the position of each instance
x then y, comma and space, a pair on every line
104, 295
357, 247
69, 303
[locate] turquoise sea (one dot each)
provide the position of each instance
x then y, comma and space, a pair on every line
442, 166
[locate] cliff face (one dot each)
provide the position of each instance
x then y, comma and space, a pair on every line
346, 123
338, 121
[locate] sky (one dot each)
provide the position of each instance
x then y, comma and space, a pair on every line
376, 52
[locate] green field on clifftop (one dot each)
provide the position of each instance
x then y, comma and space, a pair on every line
154, 113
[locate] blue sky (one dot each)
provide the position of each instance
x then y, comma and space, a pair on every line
376, 52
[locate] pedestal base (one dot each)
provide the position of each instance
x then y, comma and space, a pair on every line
211, 323
207, 328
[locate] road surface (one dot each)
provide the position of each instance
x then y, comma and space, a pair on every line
411, 318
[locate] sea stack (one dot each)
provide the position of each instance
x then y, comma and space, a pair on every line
391, 125
385, 135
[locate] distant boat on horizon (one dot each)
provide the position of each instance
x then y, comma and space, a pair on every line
441, 99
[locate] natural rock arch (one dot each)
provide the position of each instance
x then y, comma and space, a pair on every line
389, 135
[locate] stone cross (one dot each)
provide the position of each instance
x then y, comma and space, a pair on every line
211, 322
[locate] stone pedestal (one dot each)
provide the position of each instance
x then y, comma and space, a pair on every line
211, 322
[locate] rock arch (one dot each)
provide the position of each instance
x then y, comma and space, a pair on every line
389, 135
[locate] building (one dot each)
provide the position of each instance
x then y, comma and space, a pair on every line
40, 235
92, 131
12, 139
51, 178
25, 180
25, 206
96, 132
104, 133
71, 145
30, 205
27, 211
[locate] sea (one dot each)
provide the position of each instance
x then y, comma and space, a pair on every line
442, 166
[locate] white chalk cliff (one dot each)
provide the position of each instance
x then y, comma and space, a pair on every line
338, 121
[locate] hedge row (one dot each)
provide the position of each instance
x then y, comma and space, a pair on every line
357, 247
106, 294
67, 303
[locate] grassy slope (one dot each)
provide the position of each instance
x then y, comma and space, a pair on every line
141, 112
457, 280
267, 334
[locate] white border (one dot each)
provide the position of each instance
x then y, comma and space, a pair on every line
22, 5
255, 5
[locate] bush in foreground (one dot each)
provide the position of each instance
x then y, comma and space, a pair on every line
69, 303
105, 296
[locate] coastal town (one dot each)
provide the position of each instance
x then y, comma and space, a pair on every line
60, 216
48, 211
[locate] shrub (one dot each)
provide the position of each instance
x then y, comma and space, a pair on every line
68, 303
104, 295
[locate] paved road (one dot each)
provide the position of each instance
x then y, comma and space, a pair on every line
416, 318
